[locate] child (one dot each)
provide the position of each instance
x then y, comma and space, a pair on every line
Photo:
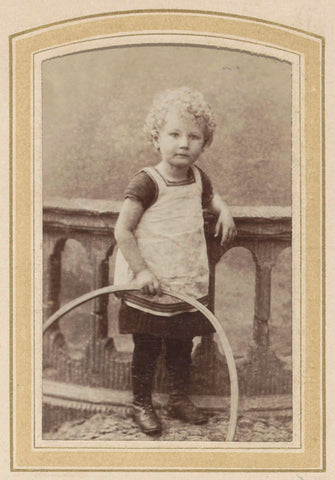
161, 241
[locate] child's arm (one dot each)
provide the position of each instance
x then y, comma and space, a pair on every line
130, 214
225, 223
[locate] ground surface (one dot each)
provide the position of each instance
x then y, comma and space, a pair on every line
252, 426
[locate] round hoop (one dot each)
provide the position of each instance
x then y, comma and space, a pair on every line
194, 303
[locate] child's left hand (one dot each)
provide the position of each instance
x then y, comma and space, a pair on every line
225, 228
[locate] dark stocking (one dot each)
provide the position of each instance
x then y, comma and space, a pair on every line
146, 351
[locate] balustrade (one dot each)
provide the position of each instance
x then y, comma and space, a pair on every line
264, 231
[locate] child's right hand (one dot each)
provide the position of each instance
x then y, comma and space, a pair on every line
148, 283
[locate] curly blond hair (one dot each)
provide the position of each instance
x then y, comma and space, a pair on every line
184, 100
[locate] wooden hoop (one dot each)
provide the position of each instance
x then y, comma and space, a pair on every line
194, 303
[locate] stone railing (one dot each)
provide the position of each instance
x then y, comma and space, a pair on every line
264, 231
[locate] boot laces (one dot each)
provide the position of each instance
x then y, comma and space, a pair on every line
146, 405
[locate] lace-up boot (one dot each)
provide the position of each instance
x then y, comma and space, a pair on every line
146, 351
142, 410
181, 406
146, 418
178, 364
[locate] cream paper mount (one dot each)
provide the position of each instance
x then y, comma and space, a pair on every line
304, 51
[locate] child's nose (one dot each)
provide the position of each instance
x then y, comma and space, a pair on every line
183, 142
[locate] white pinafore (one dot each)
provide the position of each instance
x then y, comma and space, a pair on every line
170, 237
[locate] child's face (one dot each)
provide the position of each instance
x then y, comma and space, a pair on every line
180, 140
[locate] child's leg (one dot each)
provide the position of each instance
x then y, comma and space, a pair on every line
178, 364
146, 351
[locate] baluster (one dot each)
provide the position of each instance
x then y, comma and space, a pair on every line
97, 249
52, 261
265, 254
262, 363
52, 270
262, 303
102, 302
104, 281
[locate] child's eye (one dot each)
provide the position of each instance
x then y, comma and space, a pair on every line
174, 134
194, 137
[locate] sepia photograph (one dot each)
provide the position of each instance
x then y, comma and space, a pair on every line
192, 147
167, 245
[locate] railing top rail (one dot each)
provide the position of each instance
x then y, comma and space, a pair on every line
96, 207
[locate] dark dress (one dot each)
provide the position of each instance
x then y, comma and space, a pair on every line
185, 325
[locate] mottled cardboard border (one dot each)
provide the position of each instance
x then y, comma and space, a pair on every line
23, 47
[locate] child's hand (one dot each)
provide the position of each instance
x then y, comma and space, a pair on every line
148, 283
225, 228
